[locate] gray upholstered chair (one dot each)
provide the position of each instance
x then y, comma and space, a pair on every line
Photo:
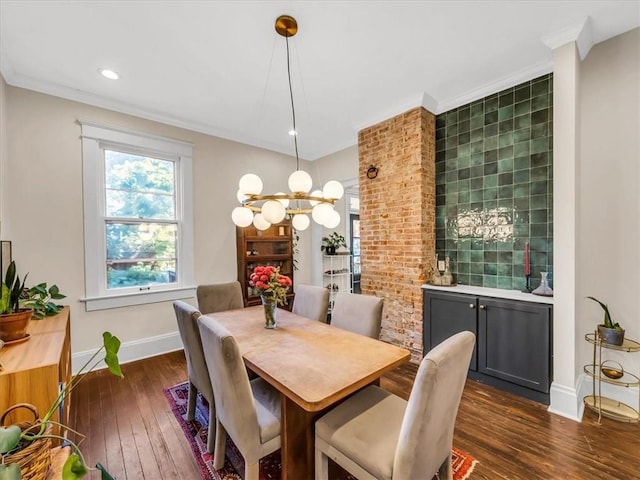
311, 302
357, 313
377, 435
199, 381
249, 411
219, 297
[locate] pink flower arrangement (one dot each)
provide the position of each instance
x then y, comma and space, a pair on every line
271, 283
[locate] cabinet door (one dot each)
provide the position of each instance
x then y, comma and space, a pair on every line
514, 342
446, 314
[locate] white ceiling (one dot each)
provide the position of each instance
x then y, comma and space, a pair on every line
218, 67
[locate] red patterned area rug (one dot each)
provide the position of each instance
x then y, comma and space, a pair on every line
196, 433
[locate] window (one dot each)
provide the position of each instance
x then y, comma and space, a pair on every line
138, 218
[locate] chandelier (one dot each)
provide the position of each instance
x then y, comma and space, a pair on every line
265, 210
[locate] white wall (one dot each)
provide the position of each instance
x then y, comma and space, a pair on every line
343, 167
609, 262
4, 145
42, 213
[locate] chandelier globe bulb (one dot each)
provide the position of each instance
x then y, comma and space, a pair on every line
321, 212
284, 201
273, 211
333, 189
242, 216
300, 182
332, 220
300, 222
260, 222
315, 193
250, 184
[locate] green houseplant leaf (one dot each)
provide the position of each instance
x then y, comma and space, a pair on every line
74, 468
104, 475
112, 345
607, 316
10, 472
9, 438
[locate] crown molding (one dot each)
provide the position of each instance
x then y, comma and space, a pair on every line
499, 85
28, 83
581, 34
398, 108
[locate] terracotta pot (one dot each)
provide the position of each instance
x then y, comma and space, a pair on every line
13, 326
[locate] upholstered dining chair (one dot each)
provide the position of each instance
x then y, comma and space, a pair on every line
199, 381
249, 411
358, 313
312, 302
377, 435
219, 297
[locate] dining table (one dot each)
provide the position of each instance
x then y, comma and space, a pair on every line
313, 365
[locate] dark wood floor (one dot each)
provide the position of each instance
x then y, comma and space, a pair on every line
130, 429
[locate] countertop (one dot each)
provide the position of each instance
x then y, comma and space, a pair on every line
492, 292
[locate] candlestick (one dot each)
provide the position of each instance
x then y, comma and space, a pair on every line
527, 269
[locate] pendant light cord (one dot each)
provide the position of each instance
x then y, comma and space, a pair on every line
293, 108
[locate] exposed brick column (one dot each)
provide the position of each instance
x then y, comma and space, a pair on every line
397, 221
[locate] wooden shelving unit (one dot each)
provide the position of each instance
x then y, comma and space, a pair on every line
273, 246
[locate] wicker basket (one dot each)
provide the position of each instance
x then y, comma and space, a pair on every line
35, 458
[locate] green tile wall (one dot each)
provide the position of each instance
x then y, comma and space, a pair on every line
494, 185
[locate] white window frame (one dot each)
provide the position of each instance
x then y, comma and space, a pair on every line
95, 139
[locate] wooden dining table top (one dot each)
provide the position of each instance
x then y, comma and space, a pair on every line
312, 363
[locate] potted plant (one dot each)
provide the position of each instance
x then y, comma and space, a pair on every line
610, 332
13, 438
332, 242
19, 304
39, 299
14, 319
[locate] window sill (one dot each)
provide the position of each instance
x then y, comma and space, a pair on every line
138, 298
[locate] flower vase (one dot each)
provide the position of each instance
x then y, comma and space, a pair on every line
270, 310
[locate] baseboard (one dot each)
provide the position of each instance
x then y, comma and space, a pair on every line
134, 350
564, 402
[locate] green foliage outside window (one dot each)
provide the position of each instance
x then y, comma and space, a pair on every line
139, 190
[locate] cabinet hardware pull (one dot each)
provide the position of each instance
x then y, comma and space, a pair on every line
482, 307
471, 305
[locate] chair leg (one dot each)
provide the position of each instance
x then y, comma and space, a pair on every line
191, 402
445, 472
322, 466
221, 446
251, 470
211, 435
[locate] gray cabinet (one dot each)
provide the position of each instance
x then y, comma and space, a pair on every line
513, 339
449, 314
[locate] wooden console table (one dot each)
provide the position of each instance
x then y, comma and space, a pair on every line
35, 370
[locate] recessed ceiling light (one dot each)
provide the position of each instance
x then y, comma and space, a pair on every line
292, 132
110, 74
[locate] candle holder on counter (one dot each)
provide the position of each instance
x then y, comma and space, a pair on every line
527, 288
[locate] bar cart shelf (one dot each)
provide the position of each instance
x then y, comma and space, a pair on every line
604, 406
